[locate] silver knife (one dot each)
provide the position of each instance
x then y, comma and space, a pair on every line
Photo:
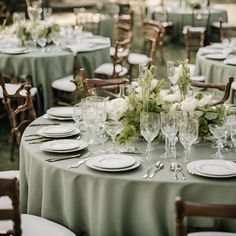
63, 158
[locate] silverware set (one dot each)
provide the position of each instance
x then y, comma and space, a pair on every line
150, 173
83, 158
176, 168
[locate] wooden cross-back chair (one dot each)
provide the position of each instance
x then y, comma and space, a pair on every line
20, 109
107, 87
227, 30
9, 188
194, 35
5, 15
186, 209
226, 88
152, 40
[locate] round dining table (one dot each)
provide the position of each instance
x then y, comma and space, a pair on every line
54, 63
115, 203
182, 16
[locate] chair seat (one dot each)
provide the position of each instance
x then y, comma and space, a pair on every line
138, 59
167, 24
225, 25
197, 78
64, 84
212, 234
38, 226
107, 69
193, 29
233, 86
120, 53
11, 89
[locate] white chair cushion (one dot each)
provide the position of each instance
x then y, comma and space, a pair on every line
197, 78
38, 226
193, 29
11, 89
64, 84
138, 59
121, 53
233, 86
212, 234
107, 69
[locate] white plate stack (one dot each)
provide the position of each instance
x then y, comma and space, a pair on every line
113, 163
60, 113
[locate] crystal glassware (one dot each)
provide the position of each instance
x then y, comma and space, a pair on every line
188, 134
149, 128
113, 128
76, 114
219, 133
42, 43
233, 136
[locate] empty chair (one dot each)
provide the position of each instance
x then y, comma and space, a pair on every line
106, 87
17, 99
151, 35
225, 88
23, 224
5, 15
185, 209
194, 35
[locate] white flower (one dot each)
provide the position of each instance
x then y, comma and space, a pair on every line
189, 104
116, 108
175, 97
205, 100
178, 73
153, 84
211, 115
175, 107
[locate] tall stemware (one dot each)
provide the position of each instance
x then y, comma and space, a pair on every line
188, 134
219, 133
149, 127
169, 127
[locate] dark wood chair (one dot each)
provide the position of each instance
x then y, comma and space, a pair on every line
5, 14
194, 35
17, 99
29, 223
152, 37
225, 88
186, 209
106, 87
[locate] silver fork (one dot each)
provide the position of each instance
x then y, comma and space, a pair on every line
148, 172
80, 162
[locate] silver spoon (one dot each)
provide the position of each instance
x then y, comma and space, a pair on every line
159, 166
173, 169
180, 169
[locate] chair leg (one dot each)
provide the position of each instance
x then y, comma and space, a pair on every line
12, 146
233, 94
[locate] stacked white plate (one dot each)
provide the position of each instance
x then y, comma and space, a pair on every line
58, 131
230, 61
63, 145
212, 168
60, 113
113, 163
14, 50
216, 56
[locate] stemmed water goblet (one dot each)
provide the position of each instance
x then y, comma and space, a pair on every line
233, 136
169, 127
149, 127
188, 134
76, 114
42, 43
113, 128
219, 133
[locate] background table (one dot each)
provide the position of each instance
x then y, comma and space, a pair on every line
51, 65
183, 16
117, 204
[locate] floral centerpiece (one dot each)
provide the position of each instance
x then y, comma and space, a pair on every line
150, 94
195, 4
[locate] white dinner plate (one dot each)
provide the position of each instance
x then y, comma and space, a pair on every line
113, 161
63, 145
135, 165
14, 50
47, 116
57, 135
230, 61
212, 168
60, 111
58, 129
217, 56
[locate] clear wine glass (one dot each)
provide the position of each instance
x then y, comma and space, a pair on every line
113, 128
219, 133
233, 136
76, 114
169, 127
149, 127
171, 69
42, 43
188, 134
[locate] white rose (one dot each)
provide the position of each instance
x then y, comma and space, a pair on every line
154, 84
178, 73
189, 104
175, 97
211, 115
116, 108
175, 107
207, 99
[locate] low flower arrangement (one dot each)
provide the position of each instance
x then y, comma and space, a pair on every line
149, 94
28, 32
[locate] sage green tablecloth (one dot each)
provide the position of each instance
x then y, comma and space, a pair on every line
51, 65
183, 16
113, 204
